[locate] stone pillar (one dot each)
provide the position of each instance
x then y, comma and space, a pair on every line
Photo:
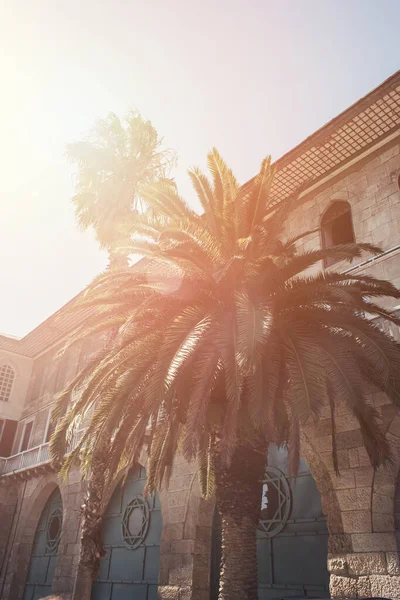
367, 562
33, 495
68, 554
186, 537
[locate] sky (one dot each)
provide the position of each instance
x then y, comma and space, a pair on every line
251, 77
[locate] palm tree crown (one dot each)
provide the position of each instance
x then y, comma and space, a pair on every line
112, 162
218, 336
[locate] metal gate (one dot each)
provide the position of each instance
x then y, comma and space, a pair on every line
131, 536
44, 551
292, 539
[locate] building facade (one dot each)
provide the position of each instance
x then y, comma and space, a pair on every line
319, 533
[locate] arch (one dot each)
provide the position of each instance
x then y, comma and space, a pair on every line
330, 505
131, 531
44, 549
7, 377
336, 227
30, 508
386, 481
292, 541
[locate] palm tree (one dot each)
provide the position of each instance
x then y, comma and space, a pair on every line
112, 162
223, 345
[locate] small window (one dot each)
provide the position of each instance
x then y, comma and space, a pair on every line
6, 382
337, 227
26, 437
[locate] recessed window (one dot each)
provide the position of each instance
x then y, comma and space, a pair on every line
337, 227
6, 382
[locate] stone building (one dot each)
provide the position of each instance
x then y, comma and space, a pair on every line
316, 531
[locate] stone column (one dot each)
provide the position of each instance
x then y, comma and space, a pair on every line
186, 537
68, 554
369, 566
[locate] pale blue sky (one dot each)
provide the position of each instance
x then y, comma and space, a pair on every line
250, 77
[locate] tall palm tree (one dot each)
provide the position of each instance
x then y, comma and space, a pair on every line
222, 346
115, 159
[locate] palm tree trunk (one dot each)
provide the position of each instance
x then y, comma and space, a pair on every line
238, 493
91, 549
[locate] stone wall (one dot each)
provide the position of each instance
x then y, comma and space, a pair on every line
22, 367
32, 497
50, 375
365, 562
185, 543
371, 188
359, 505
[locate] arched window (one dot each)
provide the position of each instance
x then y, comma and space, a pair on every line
6, 381
337, 227
292, 536
45, 548
131, 535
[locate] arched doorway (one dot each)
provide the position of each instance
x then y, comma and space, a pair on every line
131, 537
292, 540
44, 551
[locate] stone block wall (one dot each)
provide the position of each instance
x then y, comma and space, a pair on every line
49, 376
186, 537
365, 562
368, 562
361, 506
371, 188
32, 497
185, 548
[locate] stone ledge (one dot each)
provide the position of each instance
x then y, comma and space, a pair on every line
371, 586
174, 592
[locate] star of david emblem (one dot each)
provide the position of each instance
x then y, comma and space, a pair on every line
275, 502
53, 531
135, 522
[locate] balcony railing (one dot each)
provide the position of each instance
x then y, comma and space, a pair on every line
33, 457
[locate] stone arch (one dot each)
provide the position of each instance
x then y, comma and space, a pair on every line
370, 567
110, 489
34, 495
324, 479
186, 530
274, 571
131, 535
386, 479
